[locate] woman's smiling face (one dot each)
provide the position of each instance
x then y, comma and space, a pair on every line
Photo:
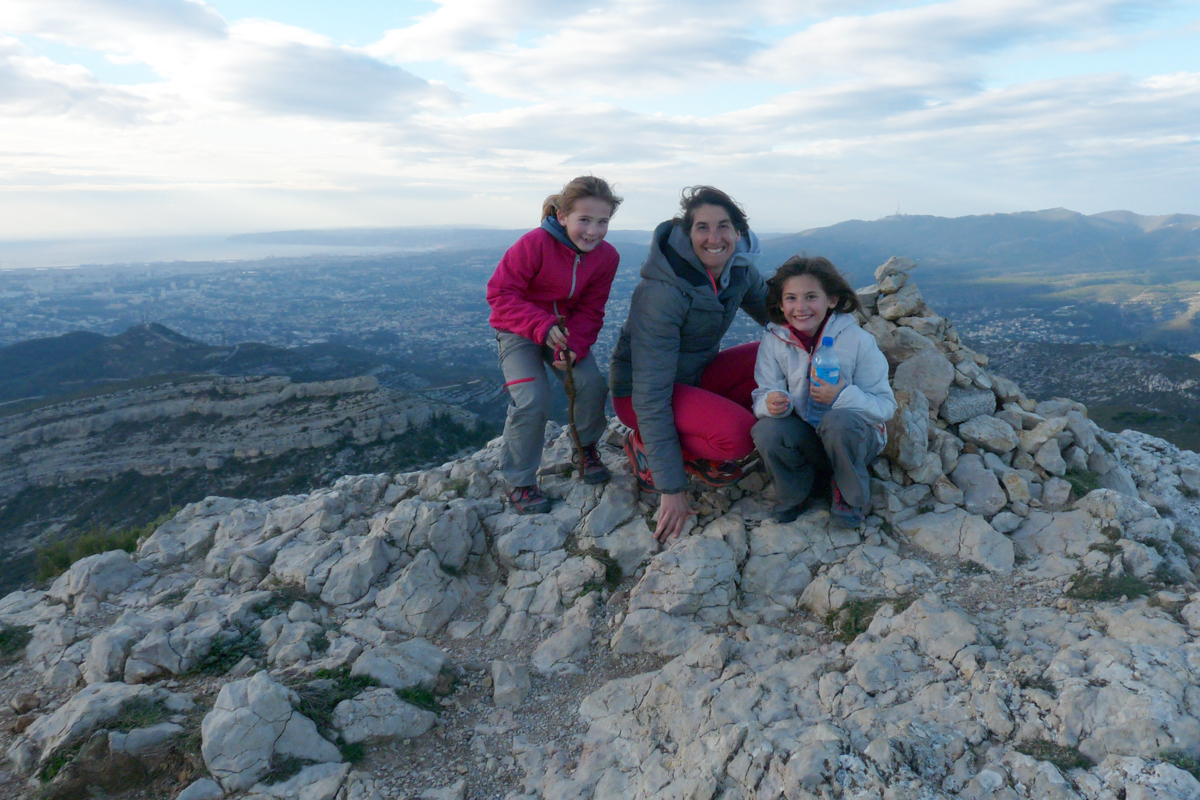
713, 237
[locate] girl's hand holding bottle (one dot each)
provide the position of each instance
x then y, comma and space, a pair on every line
777, 403
824, 392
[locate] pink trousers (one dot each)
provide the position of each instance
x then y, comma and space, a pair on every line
713, 419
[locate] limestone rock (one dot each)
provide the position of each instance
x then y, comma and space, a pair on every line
893, 266
422, 598
989, 433
510, 683
90, 709
558, 654
412, 664
692, 578
964, 404
900, 344
520, 546
686, 586
180, 539
981, 491
315, 782
630, 545
905, 302
202, 789
961, 535
908, 430
96, 577
1031, 441
1056, 493
252, 721
379, 712
106, 657
1049, 458
364, 561
928, 372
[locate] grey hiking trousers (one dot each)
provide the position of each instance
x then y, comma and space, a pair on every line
524, 363
794, 451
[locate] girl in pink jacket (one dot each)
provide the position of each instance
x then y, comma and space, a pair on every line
562, 270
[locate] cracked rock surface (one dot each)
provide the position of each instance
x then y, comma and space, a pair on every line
992, 631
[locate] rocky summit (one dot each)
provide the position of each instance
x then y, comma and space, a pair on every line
1018, 618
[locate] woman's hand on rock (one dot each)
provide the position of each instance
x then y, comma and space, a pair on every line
673, 511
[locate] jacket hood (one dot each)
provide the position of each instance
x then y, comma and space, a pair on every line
835, 325
552, 226
672, 258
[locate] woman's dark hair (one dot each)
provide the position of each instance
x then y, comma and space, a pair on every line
577, 189
833, 283
695, 196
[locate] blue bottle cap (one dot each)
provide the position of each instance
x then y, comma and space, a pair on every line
827, 341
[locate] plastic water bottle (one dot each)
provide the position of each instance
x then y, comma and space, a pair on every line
828, 369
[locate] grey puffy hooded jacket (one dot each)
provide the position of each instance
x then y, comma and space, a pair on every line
674, 330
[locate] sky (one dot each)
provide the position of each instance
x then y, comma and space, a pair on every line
157, 117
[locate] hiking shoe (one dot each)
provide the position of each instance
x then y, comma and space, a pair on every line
638, 462
841, 513
529, 500
717, 474
594, 470
790, 514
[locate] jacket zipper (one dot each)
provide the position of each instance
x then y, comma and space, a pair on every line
574, 267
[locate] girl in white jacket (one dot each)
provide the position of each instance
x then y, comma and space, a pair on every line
808, 300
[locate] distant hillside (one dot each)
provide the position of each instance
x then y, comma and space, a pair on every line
1057, 241
1123, 387
82, 362
415, 238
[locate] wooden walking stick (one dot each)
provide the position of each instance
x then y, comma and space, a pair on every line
569, 388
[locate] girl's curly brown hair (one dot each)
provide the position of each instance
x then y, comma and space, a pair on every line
833, 283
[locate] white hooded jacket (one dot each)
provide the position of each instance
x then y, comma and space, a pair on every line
783, 366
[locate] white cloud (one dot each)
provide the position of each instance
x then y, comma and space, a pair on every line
36, 85
866, 105
133, 27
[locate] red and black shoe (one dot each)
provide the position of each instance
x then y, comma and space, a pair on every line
718, 474
528, 500
842, 513
594, 470
638, 462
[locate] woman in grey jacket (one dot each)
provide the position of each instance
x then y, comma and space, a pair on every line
687, 401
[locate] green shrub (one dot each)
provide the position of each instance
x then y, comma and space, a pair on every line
283, 597
139, 712
353, 753
13, 639
227, 651
1086, 586
1064, 758
1082, 481
284, 767
319, 697
57, 557
421, 698
852, 619
1184, 761
1039, 682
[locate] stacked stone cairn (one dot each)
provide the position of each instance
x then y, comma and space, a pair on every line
958, 645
